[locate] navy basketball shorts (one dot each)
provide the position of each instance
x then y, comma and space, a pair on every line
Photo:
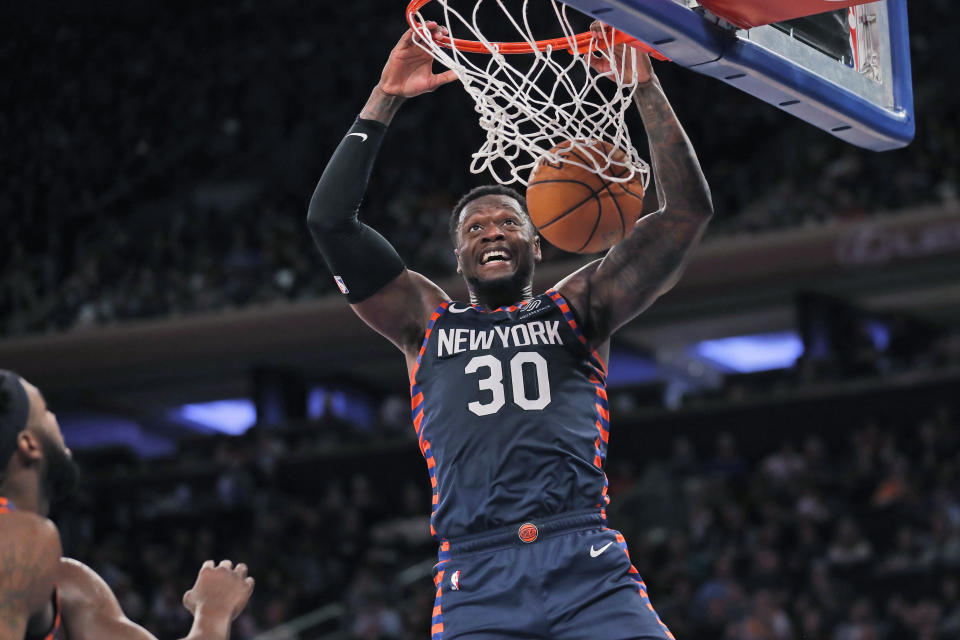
566, 577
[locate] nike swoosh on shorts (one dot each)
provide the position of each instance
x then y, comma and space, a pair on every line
595, 552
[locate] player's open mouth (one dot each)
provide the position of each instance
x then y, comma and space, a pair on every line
494, 255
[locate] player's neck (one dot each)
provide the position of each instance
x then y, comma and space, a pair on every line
495, 298
24, 494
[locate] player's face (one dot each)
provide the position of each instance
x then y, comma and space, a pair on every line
59, 471
497, 242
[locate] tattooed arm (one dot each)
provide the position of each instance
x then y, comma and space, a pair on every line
648, 262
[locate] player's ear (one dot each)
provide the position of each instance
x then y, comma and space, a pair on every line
456, 252
537, 256
28, 444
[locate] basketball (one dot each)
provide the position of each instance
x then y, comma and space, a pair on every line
578, 210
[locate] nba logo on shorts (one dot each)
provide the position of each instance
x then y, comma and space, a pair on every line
343, 287
455, 580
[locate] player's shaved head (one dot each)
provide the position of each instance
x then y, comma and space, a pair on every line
479, 192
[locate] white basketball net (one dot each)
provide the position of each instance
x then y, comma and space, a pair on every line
557, 99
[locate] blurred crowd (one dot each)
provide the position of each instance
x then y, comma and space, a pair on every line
852, 535
158, 159
806, 540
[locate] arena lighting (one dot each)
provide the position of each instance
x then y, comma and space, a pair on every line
321, 399
347, 405
879, 333
628, 369
232, 416
757, 352
96, 430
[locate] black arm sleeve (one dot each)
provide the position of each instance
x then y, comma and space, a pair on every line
362, 260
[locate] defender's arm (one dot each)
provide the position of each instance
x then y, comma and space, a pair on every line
91, 610
391, 299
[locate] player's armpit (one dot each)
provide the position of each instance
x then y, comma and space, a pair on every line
29, 557
90, 609
401, 310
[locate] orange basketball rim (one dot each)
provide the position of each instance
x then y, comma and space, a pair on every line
582, 42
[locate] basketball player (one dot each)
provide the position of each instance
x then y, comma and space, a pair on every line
46, 596
508, 391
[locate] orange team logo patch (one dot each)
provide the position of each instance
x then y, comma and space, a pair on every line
528, 532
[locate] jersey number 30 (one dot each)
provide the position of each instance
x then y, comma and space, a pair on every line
494, 382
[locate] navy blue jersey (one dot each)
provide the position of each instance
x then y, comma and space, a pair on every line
510, 410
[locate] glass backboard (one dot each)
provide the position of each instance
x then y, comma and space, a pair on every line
861, 92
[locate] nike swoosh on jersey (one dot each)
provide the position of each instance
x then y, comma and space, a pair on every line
453, 308
595, 552
362, 136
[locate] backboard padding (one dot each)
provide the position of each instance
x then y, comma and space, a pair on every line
879, 122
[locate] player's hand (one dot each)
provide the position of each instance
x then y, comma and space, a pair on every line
638, 65
409, 69
222, 589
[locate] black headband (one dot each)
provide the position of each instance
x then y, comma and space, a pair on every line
14, 413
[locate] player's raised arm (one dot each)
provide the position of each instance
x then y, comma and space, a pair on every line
391, 299
650, 259
91, 610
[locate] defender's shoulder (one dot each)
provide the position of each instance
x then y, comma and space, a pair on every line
31, 553
29, 522
32, 534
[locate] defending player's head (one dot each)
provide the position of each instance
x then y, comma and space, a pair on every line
494, 240
34, 460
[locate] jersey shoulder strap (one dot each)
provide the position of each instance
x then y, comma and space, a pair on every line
56, 631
